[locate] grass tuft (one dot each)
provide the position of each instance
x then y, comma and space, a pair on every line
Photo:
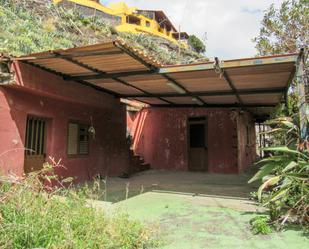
261, 225
38, 212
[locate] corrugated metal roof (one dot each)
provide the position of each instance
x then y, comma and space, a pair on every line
257, 84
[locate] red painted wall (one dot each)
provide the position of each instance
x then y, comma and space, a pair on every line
43, 94
160, 137
246, 141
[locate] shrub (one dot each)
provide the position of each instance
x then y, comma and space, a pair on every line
197, 44
260, 225
285, 177
33, 215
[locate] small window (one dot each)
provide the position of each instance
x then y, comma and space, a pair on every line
78, 139
147, 24
35, 136
133, 20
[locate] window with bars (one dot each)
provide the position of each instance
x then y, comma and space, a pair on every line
35, 136
78, 139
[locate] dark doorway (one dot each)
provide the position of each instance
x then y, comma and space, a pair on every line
35, 144
198, 151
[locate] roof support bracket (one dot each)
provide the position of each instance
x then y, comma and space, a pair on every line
222, 72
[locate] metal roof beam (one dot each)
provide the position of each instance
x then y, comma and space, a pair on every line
134, 56
212, 93
115, 78
268, 60
231, 84
228, 80
76, 62
111, 75
141, 90
101, 89
101, 72
259, 105
183, 88
80, 54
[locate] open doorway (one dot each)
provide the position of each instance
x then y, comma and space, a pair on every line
35, 144
198, 147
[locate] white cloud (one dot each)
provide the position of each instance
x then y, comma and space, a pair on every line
230, 24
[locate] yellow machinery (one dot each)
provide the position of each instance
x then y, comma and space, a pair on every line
131, 20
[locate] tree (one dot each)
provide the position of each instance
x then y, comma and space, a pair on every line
284, 30
285, 185
197, 44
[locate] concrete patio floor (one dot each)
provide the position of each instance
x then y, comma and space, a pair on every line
198, 222
197, 210
194, 183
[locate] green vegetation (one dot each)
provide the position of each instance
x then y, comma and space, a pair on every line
200, 223
33, 215
197, 44
285, 176
30, 26
260, 225
284, 30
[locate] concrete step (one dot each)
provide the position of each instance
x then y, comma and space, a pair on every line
137, 163
145, 166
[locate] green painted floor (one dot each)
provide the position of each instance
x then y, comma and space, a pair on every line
197, 222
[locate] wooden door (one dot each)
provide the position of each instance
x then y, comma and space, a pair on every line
35, 144
198, 151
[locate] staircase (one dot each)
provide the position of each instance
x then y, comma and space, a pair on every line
137, 163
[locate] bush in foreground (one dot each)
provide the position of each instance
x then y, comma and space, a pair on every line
32, 216
284, 190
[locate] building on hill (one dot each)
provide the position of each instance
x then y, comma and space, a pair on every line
91, 8
131, 20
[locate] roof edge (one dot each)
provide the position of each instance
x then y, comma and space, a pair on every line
254, 61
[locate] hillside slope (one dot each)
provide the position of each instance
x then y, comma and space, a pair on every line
29, 26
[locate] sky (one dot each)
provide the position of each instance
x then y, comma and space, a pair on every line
227, 26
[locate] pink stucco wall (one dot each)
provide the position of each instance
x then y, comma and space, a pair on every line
160, 137
43, 94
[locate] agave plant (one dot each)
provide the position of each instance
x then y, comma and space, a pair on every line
285, 175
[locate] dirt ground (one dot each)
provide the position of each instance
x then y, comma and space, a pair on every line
192, 183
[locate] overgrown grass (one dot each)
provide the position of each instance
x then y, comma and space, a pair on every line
33, 215
34, 26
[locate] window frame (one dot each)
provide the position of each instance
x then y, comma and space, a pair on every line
29, 151
78, 123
